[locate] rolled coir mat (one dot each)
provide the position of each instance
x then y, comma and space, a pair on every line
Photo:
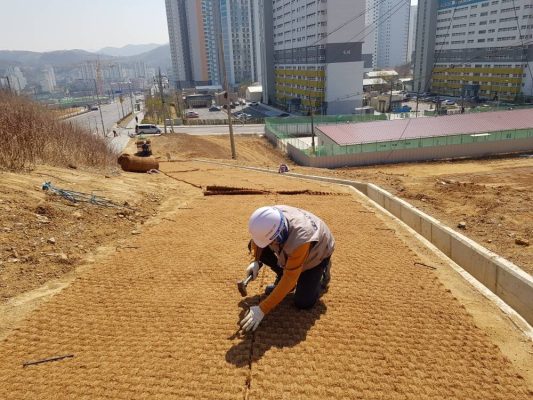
131, 163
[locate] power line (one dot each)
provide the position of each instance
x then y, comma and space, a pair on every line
377, 3
436, 60
523, 45
384, 18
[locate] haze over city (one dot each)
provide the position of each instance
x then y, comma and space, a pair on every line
79, 24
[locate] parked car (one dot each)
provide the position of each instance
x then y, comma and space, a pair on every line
448, 103
147, 129
254, 103
94, 108
192, 114
214, 108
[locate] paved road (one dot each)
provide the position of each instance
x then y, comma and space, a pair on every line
204, 112
111, 113
238, 129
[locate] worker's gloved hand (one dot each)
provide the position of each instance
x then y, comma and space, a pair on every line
252, 320
253, 269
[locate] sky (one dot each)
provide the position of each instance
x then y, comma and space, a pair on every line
38, 25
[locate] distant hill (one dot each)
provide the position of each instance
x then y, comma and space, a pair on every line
158, 57
55, 58
128, 50
155, 57
19, 57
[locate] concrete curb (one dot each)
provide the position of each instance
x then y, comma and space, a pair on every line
503, 278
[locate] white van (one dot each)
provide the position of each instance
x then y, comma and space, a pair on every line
146, 129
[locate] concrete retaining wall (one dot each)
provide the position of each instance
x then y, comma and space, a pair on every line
510, 283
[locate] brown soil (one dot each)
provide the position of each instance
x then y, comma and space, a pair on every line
250, 149
45, 236
493, 197
154, 314
157, 320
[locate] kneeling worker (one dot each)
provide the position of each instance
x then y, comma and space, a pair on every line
297, 246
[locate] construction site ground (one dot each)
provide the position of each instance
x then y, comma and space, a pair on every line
491, 196
148, 307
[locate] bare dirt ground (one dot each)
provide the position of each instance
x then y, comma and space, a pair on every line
250, 149
154, 315
492, 196
45, 236
158, 320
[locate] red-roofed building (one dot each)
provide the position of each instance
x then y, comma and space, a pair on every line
403, 129
419, 139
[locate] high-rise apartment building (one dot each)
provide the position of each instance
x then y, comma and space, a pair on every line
196, 29
48, 79
388, 31
475, 48
187, 41
15, 79
317, 54
412, 31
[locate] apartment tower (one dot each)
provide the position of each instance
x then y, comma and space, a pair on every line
475, 48
317, 54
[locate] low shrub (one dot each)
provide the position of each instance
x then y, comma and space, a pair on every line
31, 135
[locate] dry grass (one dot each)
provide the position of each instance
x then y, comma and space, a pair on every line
31, 135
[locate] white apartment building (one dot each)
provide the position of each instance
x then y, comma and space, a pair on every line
412, 31
196, 29
317, 54
178, 14
48, 79
15, 79
388, 32
481, 48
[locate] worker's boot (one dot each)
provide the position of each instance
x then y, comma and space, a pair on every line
272, 286
326, 277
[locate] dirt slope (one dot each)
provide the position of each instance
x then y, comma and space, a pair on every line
493, 197
156, 320
45, 236
250, 148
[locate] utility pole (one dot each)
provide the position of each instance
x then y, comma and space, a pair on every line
226, 83
99, 107
313, 131
160, 83
178, 104
131, 97
390, 97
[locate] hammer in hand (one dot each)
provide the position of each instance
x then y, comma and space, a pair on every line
243, 284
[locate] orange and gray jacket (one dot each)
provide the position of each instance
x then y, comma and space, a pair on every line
309, 242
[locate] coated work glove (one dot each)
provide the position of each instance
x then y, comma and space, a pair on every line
252, 320
253, 269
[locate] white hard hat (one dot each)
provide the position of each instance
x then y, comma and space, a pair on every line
265, 225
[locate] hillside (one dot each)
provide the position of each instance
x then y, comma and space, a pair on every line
155, 56
128, 50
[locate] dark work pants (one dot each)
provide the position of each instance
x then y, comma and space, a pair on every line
308, 287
